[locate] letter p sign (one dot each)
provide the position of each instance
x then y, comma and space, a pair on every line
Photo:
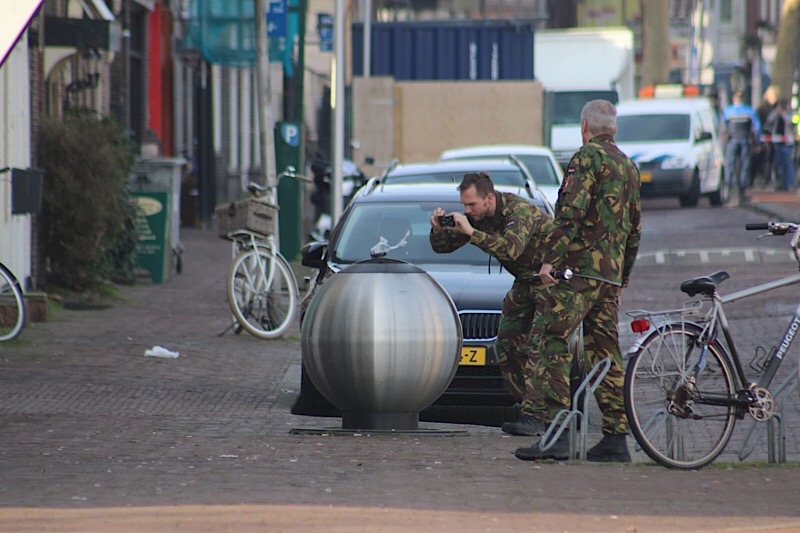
291, 134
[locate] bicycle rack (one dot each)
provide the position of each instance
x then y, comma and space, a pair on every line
581, 414
776, 445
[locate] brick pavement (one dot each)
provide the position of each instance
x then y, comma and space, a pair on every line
95, 436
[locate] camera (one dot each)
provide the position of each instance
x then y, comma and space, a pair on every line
447, 221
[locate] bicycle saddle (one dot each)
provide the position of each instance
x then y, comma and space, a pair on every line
706, 285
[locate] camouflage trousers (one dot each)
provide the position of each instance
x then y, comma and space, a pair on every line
596, 303
518, 342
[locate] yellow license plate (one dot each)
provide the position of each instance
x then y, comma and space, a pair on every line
645, 177
473, 356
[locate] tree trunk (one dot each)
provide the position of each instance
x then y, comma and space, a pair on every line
655, 42
786, 51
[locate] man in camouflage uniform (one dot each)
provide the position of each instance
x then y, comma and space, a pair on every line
596, 233
510, 229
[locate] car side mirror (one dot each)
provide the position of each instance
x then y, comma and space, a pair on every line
312, 254
703, 136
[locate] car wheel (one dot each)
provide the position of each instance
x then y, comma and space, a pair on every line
691, 198
720, 197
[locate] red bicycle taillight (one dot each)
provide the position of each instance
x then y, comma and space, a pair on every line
640, 325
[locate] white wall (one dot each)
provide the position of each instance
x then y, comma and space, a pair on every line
15, 151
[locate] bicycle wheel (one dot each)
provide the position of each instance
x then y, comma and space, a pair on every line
12, 306
263, 299
674, 395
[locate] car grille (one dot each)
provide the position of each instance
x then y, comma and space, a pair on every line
650, 165
478, 379
479, 326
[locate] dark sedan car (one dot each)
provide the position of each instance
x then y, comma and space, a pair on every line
474, 280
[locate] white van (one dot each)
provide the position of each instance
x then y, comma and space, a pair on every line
676, 144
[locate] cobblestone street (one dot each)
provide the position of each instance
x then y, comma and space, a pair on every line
94, 436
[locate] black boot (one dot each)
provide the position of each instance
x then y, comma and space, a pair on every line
611, 449
526, 426
559, 451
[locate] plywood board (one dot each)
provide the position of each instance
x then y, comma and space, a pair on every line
433, 116
417, 120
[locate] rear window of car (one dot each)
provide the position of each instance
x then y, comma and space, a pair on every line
499, 177
365, 224
541, 168
653, 127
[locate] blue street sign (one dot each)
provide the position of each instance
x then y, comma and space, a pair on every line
325, 31
276, 18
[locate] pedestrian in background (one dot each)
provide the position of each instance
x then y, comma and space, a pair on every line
596, 233
510, 229
742, 130
763, 156
780, 124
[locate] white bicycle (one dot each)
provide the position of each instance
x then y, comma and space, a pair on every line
12, 305
261, 286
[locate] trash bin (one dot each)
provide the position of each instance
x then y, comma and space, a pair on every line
158, 181
154, 249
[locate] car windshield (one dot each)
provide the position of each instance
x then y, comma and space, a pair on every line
645, 128
365, 224
499, 177
567, 105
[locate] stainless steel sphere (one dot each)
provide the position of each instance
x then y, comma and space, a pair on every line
381, 341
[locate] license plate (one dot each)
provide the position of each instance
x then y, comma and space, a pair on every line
645, 177
473, 356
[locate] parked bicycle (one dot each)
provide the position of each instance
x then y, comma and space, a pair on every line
685, 385
261, 286
12, 305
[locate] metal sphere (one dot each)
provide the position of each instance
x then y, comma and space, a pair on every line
381, 341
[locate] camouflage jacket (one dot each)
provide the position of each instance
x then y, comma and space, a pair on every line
514, 235
597, 226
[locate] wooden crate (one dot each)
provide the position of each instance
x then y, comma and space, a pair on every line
247, 214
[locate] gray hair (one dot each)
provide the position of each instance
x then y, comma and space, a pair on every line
600, 116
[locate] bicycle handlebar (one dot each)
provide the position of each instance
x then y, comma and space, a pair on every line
259, 190
759, 225
775, 228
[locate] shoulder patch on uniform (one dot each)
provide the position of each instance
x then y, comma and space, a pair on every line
511, 223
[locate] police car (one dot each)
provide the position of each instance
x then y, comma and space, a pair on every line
676, 144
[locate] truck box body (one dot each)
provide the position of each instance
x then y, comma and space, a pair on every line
576, 66
461, 50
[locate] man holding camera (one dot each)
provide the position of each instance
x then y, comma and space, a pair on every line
511, 230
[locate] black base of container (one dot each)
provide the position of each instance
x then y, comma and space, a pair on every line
396, 421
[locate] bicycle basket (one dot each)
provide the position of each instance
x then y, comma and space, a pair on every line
247, 214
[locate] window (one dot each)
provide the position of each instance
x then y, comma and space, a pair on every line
540, 168
645, 128
567, 105
726, 10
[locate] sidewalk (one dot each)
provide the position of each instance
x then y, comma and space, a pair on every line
97, 437
783, 205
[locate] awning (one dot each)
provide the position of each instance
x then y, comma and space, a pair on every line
14, 21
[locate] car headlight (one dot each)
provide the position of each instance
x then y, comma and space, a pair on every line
674, 162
